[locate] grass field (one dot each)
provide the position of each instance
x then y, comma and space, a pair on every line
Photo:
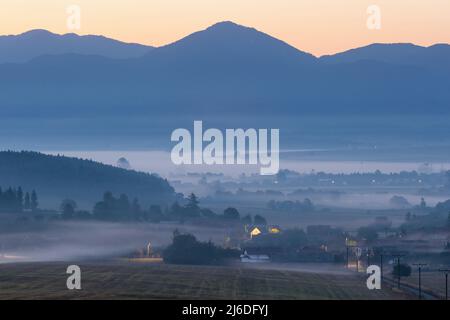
125, 280
431, 282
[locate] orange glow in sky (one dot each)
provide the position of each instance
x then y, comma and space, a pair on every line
316, 26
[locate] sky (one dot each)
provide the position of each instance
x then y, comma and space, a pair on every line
316, 26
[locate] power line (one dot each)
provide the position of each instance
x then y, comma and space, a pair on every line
398, 256
420, 265
445, 271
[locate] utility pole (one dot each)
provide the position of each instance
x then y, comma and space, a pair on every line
398, 256
445, 271
381, 265
347, 256
420, 265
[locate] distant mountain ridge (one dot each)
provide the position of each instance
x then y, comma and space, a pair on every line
34, 43
227, 41
229, 69
436, 56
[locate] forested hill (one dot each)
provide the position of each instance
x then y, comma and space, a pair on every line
57, 177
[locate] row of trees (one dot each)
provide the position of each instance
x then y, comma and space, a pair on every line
121, 208
112, 208
291, 206
14, 200
186, 249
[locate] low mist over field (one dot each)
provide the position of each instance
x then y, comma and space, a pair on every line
92, 240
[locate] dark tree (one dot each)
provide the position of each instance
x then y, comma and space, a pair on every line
11, 200
176, 209
27, 202
448, 220
123, 206
155, 213
192, 201
103, 210
185, 249
294, 238
20, 199
34, 201
368, 233
117, 209
192, 208
231, 214
68, 208
308, 204
155, 210
136, 209
423, 204
259, 220
247, 219
208, 213
292, 206
408, 216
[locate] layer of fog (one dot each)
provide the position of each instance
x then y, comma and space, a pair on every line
93, 240
320, 268
375, 201
160, 162
345, 200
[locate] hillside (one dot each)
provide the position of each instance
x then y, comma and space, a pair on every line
56, 178
435, 57
230, 44
34, 43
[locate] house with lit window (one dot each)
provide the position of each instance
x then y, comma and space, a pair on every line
258, 230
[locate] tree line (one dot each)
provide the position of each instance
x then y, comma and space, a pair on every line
121, 208
186, 249
14, 200
291, 206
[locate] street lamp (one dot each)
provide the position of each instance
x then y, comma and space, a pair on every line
349, 244
358, 252
369, 253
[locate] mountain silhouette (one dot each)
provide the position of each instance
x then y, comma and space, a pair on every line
228, 69
436, 56
34, 43
230, 43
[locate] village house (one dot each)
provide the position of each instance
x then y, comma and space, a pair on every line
254, 258
257, 230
